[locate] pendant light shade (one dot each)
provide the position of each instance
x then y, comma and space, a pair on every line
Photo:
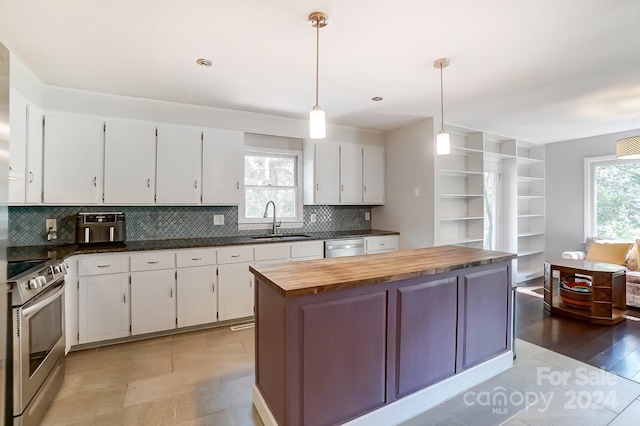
628, 148
317, 122
443, 145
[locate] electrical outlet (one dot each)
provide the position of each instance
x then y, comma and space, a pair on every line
218, 219
367, 216
51, 225
313, 217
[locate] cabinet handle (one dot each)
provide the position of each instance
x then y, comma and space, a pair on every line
30, 177
171, 293
213, 287
195, 184
342, 187
104, 266
149, 183
250, 283
317, 187
124, 297
153, 262
365, 188
196, 258
237, 185
235, 255
95, 181
381, 244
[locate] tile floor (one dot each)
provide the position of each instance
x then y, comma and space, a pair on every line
205, 378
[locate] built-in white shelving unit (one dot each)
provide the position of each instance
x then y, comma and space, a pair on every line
460, 200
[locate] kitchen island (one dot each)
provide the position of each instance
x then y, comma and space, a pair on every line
378, 339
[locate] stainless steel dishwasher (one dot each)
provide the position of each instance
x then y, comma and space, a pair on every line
342, 248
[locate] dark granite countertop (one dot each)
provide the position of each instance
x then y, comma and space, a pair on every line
15, 254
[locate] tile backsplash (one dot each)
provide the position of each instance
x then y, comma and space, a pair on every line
27, 224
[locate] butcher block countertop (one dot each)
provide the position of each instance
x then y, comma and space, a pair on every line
318, 276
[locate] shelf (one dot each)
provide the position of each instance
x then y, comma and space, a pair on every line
530, 179
497, 155
460, 173
528, 274
525, 253
530, 215
451, 219
528, 160
461, 195
462, 150
463, 241
529, 234
530, 197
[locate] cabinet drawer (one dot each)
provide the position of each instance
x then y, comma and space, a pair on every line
199, 257
272, 252
235, 255
100, 265
383, 243
313, 249
147, 261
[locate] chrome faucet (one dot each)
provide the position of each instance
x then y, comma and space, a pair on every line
266, 209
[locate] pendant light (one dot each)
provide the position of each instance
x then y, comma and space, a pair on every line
628, 148
443, 146
317, 124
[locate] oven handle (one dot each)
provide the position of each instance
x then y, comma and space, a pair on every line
31, 310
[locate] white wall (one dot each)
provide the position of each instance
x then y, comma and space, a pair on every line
409, 164
564, 188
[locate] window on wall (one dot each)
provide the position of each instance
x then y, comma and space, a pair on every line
272, 175
612, 198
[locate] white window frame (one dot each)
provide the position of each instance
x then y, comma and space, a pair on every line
590, 164
245, 223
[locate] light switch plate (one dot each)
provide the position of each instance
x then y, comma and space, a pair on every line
367, 216
218, 219
312, 217
51, 225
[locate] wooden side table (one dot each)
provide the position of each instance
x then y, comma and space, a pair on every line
608, 281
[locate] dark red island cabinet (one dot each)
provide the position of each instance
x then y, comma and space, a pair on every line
331, 356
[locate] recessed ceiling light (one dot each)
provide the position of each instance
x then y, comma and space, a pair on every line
204, 62
376, 98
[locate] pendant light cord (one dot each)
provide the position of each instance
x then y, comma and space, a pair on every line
317, 57
441, 101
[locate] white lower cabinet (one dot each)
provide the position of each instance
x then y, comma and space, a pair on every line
381, 244
197, 296
153, 301
235, 297
103, 307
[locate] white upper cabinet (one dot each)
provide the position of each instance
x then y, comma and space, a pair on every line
72, 160
33, 176
350, 174
343, 173
130, 162
373, 175
17, 145
321, 173
222, 166
179, 159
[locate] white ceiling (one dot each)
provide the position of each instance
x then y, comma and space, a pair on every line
543, 70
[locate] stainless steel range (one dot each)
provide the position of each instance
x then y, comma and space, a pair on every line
37, 317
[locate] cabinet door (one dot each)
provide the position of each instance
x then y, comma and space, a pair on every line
197, 296
235, 298
222, 166
72, 160
17, 145
327, 173
178, 165
103, 307
153, 301
373, 175
33, 176
350, 174
129, 163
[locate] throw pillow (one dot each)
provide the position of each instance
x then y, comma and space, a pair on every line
632, 258
609, 252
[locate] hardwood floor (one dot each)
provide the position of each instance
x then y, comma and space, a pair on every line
615, 348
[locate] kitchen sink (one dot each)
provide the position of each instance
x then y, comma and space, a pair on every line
281, 237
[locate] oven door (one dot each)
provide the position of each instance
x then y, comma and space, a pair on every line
38, 343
